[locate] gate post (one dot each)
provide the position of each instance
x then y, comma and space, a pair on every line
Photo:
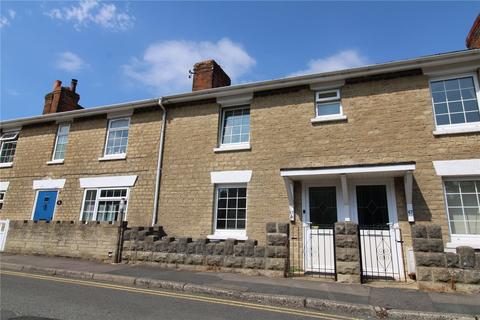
347, 252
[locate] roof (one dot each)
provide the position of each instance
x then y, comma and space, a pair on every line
310, 79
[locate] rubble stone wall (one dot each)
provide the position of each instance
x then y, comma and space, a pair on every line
152, 245
444, 271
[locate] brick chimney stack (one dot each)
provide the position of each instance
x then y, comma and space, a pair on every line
62, 98
207, 75
473, 38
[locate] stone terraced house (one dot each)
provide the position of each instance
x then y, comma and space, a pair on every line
386, 146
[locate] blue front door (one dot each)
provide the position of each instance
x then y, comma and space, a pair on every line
45, 205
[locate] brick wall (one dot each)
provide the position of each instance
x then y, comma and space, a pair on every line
96, 241
86, 144
388, 121
439, 270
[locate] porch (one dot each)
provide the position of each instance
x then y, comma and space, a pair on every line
364, 197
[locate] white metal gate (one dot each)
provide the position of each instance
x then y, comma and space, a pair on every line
381, 253
3, 233
319, 253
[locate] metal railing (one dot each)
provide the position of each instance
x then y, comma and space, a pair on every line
381, 253
312, 251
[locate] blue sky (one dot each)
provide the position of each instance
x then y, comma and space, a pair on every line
124, 51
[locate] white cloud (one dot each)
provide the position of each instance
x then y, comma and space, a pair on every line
342, 60
164, 65
106, 15
5, 20
13, 92
69, 61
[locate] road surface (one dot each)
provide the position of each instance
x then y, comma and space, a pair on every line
30, 296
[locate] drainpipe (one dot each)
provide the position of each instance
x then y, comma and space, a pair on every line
159, 162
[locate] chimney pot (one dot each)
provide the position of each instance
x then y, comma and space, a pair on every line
73, 85
57, 84
207, 75
62, 99
473, 37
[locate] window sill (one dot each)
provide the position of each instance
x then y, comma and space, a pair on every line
453, 130
337, 117
235, 147
6, 165
225, 236
473, 242
55, 162
113, 157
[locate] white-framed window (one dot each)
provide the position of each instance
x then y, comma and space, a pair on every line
230, 209
2, 198
235, 128
104, 204
327, 103
8, 146
117, 137
61, 142
455, 101
463, 206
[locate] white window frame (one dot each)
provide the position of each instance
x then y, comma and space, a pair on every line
325, 101
109, 130
236, 145
2, 199
4, 140
223, 234
98, 199
457, 127
59, 161
472, 240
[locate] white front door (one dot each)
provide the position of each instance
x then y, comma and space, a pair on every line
320, 216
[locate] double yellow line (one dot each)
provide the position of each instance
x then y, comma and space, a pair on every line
185, 296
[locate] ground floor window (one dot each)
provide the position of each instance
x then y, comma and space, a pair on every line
104, 204
231, 208
463, 206
2, 197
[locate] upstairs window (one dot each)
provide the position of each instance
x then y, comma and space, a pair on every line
455, 101
61, 142
328, 104
8, 146
117, 137
235, 126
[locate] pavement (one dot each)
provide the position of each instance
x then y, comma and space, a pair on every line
369, 301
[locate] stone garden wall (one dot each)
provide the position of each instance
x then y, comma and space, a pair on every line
347, 252
151, 245
74, 239
445, 271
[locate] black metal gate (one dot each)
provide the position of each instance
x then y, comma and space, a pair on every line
381, 253
313, 251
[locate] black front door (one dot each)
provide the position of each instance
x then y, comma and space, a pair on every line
323, 205
372, 205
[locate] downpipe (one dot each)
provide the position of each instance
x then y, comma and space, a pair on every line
159, 162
